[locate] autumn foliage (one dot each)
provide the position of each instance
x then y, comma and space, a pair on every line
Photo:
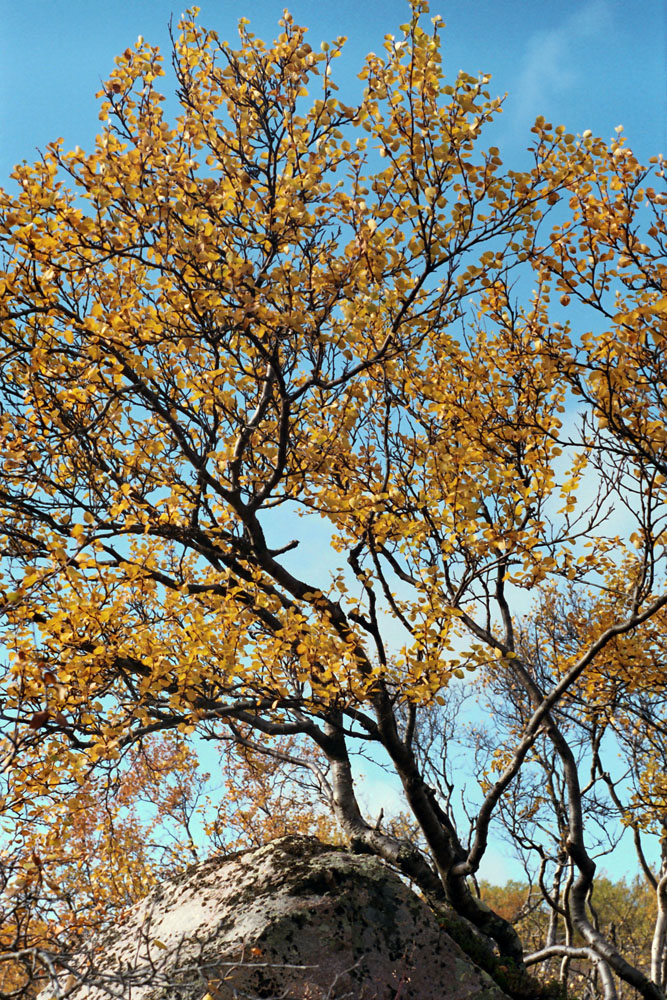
311, 413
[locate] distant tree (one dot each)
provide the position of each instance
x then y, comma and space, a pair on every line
282, 306
624, 910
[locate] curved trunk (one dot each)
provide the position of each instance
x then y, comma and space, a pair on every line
442, 839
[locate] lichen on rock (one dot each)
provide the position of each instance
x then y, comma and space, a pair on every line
294, 919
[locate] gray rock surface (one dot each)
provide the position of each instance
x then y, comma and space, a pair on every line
294, 919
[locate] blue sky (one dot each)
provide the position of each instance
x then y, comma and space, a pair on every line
581, 63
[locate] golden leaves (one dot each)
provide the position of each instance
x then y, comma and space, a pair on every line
39, 719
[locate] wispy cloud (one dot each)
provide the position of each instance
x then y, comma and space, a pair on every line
554, 63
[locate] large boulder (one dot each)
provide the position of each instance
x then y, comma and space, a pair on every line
294, 919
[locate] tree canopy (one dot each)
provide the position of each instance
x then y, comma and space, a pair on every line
309, 413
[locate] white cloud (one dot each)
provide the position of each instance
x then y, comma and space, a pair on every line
554, 60
377, 789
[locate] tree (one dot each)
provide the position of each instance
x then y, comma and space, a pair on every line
625, 912
284, 315
617, 712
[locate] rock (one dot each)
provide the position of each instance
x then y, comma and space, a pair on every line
294, 919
